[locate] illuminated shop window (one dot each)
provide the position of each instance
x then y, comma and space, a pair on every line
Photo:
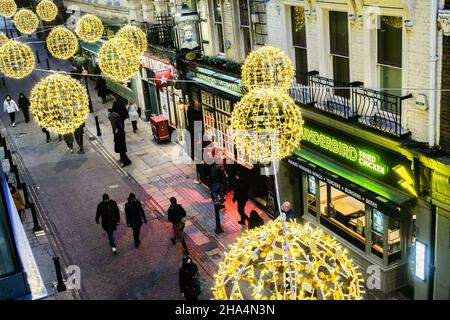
312, 195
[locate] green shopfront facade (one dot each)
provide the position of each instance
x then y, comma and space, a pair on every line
359, 192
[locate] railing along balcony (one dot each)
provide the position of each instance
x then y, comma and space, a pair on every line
332, 96
159, 34
300, 90
380, 110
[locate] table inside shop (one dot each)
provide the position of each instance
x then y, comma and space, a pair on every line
344, 208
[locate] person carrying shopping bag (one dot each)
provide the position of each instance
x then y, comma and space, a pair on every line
10, 106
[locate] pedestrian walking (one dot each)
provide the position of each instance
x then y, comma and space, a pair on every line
255, 220
288, 211
120, 146
78, 133
176, 215
241, 196
135, 217
108, 213
133, 114
10, 106
102, 89
189, 279
120, 107
218, 178
18, 200
68, 139
114, 118
47, 134
24, 104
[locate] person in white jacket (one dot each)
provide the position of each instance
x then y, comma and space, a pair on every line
10, 106
133, 114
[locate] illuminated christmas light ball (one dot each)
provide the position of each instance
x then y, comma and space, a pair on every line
47, 10
59, 103
267, 66
136, 36
3, 38
7, 8
119, 59
311, 265
16, 59
62, 43
26, 21
89, 28
266, 125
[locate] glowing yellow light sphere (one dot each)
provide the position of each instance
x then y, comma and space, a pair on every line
266, 125
267, 66
47, 10
59, 103
3, 39
62, 43
7, 8
26, 21
136, 36
89, 28
119, 59
312, 265
16, 59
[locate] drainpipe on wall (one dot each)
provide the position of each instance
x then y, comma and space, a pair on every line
433, 74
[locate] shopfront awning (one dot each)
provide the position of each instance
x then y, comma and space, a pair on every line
91, 47
383, 197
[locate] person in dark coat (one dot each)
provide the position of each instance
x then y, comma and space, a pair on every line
102, 89
135, 217
255, 220
120, 107
114, 118
189, 287
24, 104
108, 213
78, 133
288, 211
218, 178
68, 139
176, 215
241, 196
120, 146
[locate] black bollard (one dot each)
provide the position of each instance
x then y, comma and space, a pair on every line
36, 226
60, 286
37, 57
48, 64
16, 173
26, 197
4, 145
97, 124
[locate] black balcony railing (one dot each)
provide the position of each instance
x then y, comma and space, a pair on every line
300, 90
379, 110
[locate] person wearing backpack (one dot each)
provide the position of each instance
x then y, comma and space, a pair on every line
176, 215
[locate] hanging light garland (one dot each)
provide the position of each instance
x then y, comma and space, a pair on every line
267, 66
135, 35
59, 103
7, 8
394, 22
62, 43
26, 21
266, 125
89, 28
16, 59
261, 263
119, 59
47, 10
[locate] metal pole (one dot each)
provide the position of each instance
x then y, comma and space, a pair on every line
6, 27
37, 56
36, 226
60, 286
9, 156
3, 81
5, 147
26, 197
48, 64
97, 124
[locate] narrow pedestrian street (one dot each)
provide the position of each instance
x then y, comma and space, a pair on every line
69, 187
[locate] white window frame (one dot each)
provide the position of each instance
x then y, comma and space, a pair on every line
214, 25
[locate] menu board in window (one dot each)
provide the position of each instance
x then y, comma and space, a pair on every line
377, 221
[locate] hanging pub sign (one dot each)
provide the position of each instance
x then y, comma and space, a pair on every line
163, 78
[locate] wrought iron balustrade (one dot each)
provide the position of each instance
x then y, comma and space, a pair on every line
379, 110
300, 90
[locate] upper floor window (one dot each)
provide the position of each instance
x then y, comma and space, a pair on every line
218, 23
339, 49
245, 23
299, 43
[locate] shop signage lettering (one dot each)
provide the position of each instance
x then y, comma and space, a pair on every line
230, 86
345, 150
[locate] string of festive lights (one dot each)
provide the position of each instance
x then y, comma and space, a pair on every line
47, 10
62, 43
59, 103
89, 28
26, 21
16, 59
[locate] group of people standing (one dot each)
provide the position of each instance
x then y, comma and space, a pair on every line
10, 106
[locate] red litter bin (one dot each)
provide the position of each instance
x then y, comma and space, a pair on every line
160, 128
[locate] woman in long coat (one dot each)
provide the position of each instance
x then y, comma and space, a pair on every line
24, 104
120, 146
189, 279
102, 89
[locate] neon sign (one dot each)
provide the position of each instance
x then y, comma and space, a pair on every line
345, 150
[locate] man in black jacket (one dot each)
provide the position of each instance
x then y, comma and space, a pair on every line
108, 212
135, 217
176, 215
120, 107
241, 196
